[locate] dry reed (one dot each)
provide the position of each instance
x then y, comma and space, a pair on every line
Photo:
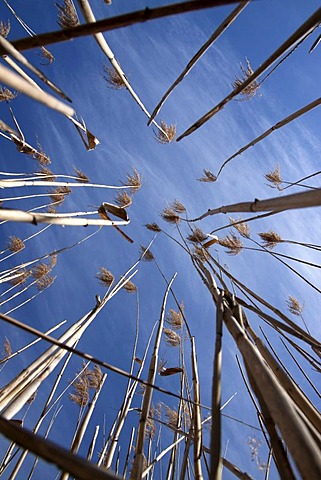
7, 95
232, 243
146, 254
175, 319
130, 287
170, 216
241, 226
5, 28
45, 282
81, 176
153, 227
133, 180
47, 56
123, 199
112, 78
197, 236
274, 177
172, 338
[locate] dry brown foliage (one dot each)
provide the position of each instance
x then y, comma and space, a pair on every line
81, 176
294, 306
251, 90
7, 95
170, 216
242, 227
15, 244
171, 416
197, 236
23, 275
67, 14
153, 227
113, 78
167, 135
274, 177
94, 377
41, 156
105, 277
270, 239
80, 395
123, 199
171, 338
208, 176
4, 28
232, 243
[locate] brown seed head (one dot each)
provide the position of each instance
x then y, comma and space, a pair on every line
47, 56
7, 350
153, 227
113, 79
133, 180
178, 207
45, 282
105, 277
175, 319
251, 90
208, 176
123, 199
200, 253
7, 95
171, 416
167, 135
294, 306
170, 216
16, 244
270, 239
23, 275
67, 15
171, 338
58, 194
232, 243
274, 177
40, 270
242, 227
47, 174
197, 236
148, 256
94, 377
5, 28
130, 287
81, 176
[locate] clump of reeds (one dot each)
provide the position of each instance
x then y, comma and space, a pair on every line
274, 177
67, 14
130, 287
270, 239
242, 227
81, 176
123, 199
175, 319
207, 177
197, 236
171, 338
251, 90
48, 175
47, 56
232, 243
167, 134
7, 95
45, 282
105, 277
294, 306
5, 28
113, 78
133, 180
7, 349
153, 227
170, 216
58, 194
15, 244
147, 255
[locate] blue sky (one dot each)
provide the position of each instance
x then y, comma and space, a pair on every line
152, 55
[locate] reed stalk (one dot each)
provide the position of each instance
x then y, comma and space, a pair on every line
197, 418
137, 469
216, 34
307, 27
116, 22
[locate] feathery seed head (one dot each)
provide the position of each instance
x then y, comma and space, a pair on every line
208, 176
148, 256
105, 277
67, 14
170, 216
197, 236
232, 243
81, 176
171, 338
153, 227
242, 227
294, 306
15, 244
274, 177
270, 239
167, 135
112, 77
251, 90
4, 28
123, 199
